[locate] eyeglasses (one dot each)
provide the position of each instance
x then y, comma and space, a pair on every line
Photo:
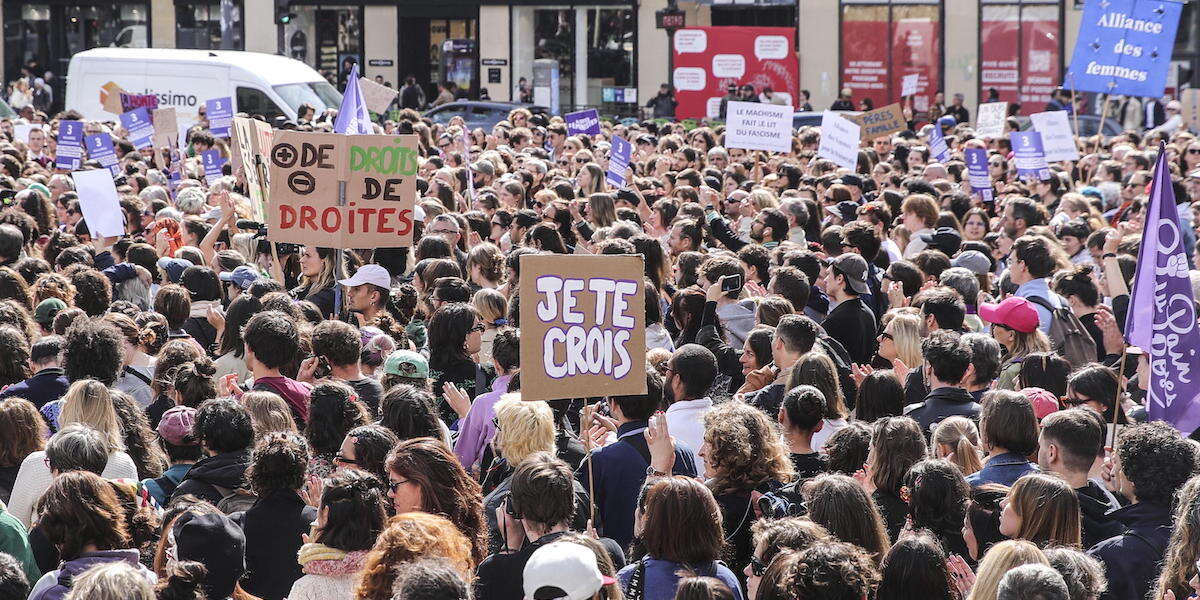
443, 231
757, 566
581, 161
395, 485
477, 329
345, 461
886, 336
1070, 400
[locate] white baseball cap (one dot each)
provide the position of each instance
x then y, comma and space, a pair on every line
372, 274
563, 570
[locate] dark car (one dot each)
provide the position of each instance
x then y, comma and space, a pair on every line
813, 118
1088, 125
478, 113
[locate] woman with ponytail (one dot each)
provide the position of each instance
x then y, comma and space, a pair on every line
350, 518
137, 368
956, 439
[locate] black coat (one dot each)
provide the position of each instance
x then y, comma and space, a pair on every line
853, 325
1132, 559
1093, 508
225, 470
273, 528
942, 403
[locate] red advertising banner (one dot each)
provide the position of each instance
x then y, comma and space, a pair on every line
1040, 60
889, 43
708, 59
999, 37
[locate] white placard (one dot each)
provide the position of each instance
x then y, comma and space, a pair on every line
21, 132
908, 84
99, 203
757, 126
839, 140
1058, 141
990, 123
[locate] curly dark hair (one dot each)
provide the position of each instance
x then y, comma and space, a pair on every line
195, 381
13, 286
745, 449
278, 462
357, 513
79, 509
140, 439
332, 412
273, 338
372, 443
446, 488
95, 350
938, 495
14, 356
155, 333
1156, 460
848, 448
448, 330
223, 426
409, 412
338, 341
15, 315
834, 571
93, 291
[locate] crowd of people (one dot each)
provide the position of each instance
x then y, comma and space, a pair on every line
862, 384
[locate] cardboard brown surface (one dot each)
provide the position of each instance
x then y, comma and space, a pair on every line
111, 98
557, 360
1190, 99
881, 122
306, 169
246, 160
165, 122
381, 190
377, 97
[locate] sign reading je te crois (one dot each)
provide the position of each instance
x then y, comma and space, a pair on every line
376, 174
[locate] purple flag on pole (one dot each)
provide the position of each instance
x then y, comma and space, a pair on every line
353, 116
1162, 314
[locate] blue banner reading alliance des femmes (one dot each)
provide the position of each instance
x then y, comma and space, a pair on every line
1124, 47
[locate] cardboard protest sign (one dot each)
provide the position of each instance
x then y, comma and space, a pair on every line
132, 101
839, 140
110, 98
68, 154
100, 148
989, 124
99, 203
165, 122
1190, 99
377, 97
755, 126
937, 144
583, 122
977, 173
881, 122
141, 130
583, 326
381, 190
618, 162
908, 84
373, 174
1028, 155
220, 115
1058, 140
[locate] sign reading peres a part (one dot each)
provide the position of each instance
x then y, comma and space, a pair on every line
373, 174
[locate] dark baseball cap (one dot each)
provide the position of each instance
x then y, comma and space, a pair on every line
946, 239
854, 268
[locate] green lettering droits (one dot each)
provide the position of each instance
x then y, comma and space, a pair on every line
384, 161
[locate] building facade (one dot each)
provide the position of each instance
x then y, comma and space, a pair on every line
607, 52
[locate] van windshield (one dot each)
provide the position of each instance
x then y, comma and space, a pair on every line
319, 94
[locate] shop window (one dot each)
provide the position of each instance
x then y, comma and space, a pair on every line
47, 35
554, 38
330, 38
611, 33
1020, 54
882, 43
212, 25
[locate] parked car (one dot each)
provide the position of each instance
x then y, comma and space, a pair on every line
478, 113
1088, 125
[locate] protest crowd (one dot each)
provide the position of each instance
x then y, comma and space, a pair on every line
879, 380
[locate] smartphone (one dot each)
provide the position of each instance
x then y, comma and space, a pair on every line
323, 369
731, 283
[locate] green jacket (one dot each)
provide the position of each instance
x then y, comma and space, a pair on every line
14, 540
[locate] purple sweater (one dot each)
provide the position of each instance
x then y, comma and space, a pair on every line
476, 430
51, 585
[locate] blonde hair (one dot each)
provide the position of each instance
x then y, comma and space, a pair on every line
961, 436
1025, 344
1002, 558
763, 198
906, 336
268, 413
87, 401
491, 305
111, 581
525, 427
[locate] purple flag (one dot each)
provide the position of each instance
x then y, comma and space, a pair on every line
1162, 313
353, 116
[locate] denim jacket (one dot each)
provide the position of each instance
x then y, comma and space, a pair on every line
1004, 469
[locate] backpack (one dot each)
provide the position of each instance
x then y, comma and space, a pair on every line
232, 501
1070, 339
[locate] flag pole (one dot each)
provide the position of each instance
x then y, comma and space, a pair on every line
1122, 384
1100, 129
1074, 107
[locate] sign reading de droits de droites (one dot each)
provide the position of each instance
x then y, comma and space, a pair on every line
583, 326
1124, 47
373, 176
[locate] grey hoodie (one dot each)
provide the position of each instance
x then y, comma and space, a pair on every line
738, 320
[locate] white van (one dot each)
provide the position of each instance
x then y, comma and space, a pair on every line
259, 83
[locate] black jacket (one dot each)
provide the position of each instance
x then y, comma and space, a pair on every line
1093, 508
45, 386
273, 527
941, 403
226, 470
893, 509
1132, 559
853, 325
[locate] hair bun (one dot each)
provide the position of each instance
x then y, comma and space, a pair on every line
184, 581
